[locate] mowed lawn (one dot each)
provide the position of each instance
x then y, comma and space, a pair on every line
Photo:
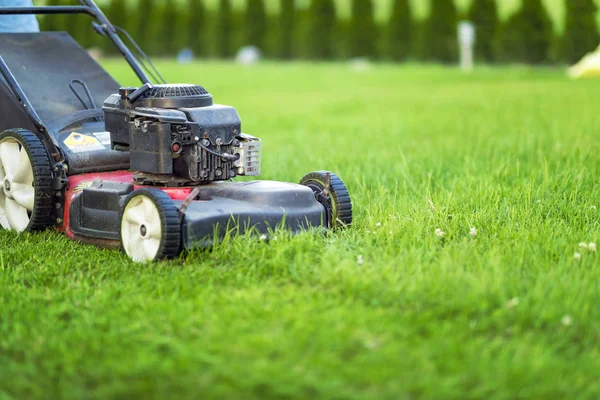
508, 313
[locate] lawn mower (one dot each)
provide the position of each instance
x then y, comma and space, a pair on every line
148, 168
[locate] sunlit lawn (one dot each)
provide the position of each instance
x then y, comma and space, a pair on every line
507, 313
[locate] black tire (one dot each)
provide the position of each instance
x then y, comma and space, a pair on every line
336, 199
170, 222
42, 215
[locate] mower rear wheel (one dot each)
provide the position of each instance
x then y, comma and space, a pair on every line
150, 226
332, 193
26, 182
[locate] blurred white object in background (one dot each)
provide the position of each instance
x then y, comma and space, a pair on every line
588, 66
248, 55
185, 56
360, 64
466, 42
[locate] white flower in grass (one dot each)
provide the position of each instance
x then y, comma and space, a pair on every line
583, 246
577, 256
439, 233
391, 233
262, 238
512, 303
378, 224
473, 232
567, 320
592, 247
359, 260
593, 207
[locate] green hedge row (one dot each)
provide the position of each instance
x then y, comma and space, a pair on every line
317, 32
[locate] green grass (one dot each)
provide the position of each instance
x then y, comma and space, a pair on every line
512, 152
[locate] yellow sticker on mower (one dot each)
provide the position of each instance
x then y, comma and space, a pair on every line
78, 143
81, 186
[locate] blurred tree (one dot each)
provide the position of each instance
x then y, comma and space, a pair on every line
484, 15
169, 27
533, 29
439, 42
224, 39
144, 33
116, 12
256, 24
581, 31
81, 29
417, 45
287, 24
322, 29
508, 43
400, 30
196, 27
538, 32
50, 22
363, 31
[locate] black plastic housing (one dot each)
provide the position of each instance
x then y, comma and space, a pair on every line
150, 147
95, 211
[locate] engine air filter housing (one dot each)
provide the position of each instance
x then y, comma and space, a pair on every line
175, 96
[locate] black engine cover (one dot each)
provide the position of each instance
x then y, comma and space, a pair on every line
175, 135
175, 96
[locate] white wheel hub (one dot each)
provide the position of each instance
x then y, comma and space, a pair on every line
17, 195
141, 229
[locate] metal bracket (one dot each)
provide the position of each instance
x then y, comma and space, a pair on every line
188, 200
60, 181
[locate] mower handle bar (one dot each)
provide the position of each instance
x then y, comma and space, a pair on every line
88, 7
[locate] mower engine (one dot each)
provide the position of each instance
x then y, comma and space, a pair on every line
176, 136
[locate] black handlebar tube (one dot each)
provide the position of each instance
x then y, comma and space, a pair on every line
89, 8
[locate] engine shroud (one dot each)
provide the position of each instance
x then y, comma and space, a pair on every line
175, 135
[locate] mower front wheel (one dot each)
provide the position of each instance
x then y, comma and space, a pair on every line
332, 193
150, 226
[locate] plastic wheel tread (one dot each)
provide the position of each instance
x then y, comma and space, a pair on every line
41, 215
336, 200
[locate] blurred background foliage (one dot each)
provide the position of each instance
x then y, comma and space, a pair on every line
509, 31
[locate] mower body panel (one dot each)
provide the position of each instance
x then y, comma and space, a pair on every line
94, 203
242, 207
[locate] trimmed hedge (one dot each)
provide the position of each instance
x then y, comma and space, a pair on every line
197, 31
400, 28
440, 42
322, 29
143, 33
527, 36
363, 31
484, 15
256, 24
224, 28
164, 27
581, 32
287, 24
